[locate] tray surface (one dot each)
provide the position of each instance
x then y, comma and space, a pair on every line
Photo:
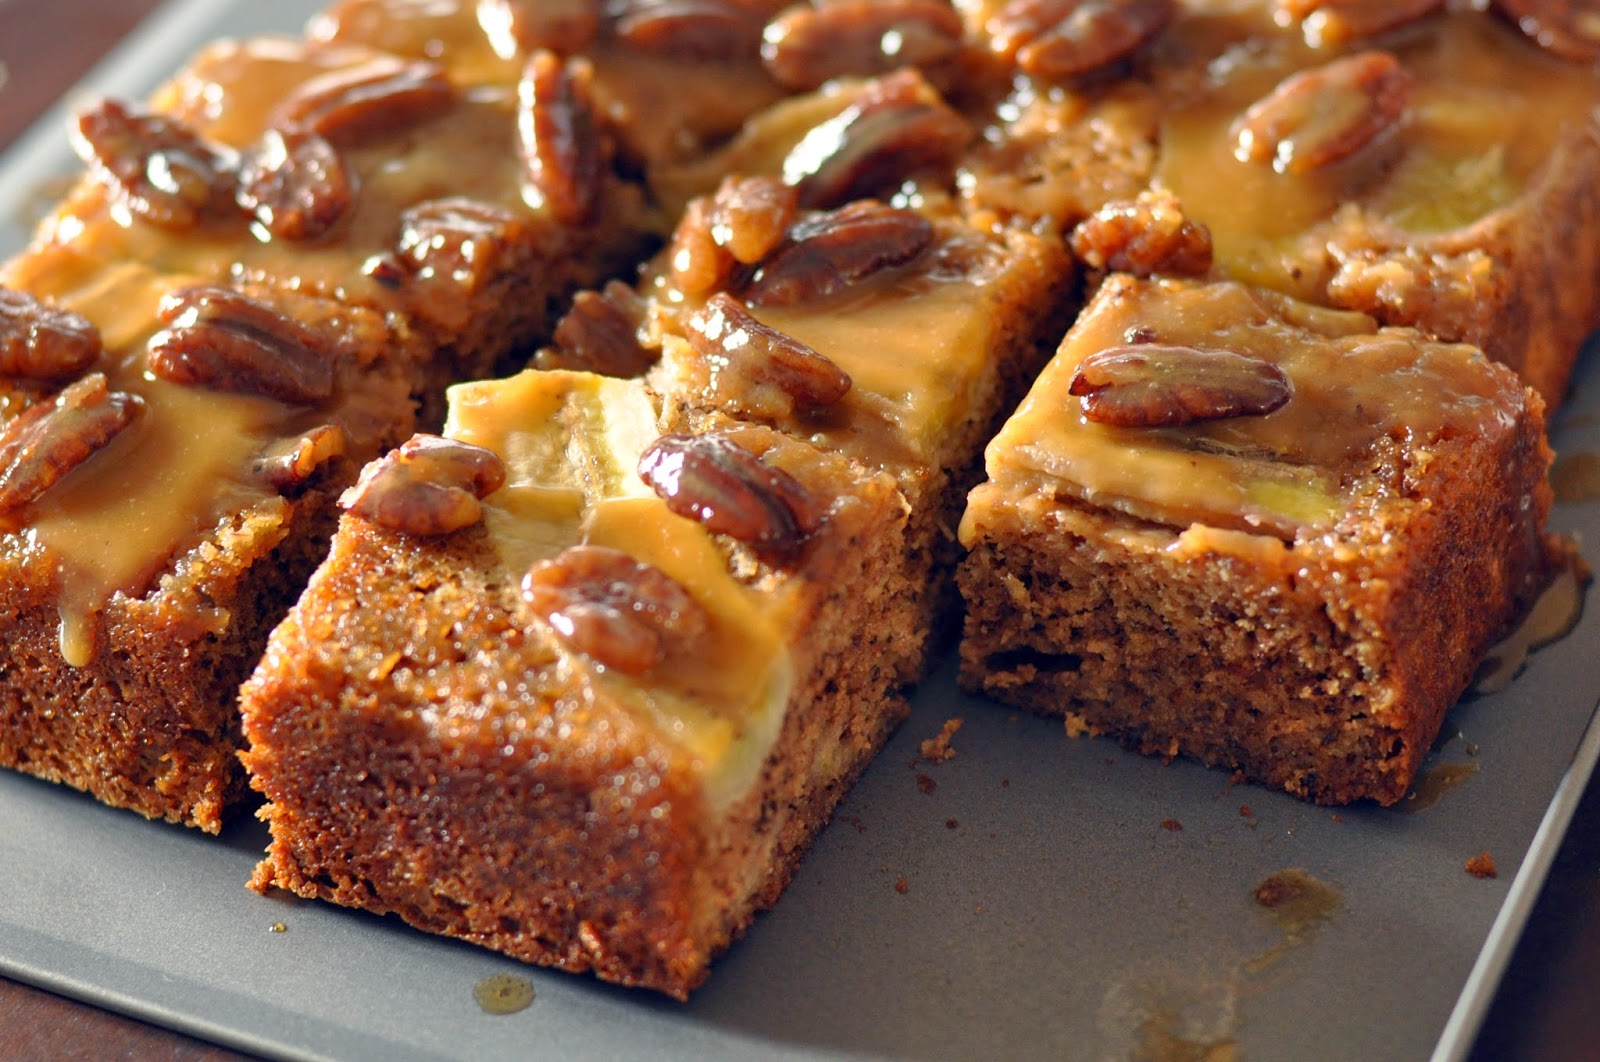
1043, 897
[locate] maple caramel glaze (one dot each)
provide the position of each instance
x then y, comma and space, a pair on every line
1290, 473
571, 444
1486, 109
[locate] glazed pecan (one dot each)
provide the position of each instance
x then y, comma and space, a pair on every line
1154, 385
290, 463
1144, 236
448, 249
826, 254
729, 490
430, 485
52, 437
1319, 116
750, 216
1055, 39
1568, 28
600, 333
156, 167
43, 342
690, 29
377, 97
516, 27
750, 357
622, 613
228, 341
806, 46
897, 127
1331, 23
295, 184
698, 264
558, 137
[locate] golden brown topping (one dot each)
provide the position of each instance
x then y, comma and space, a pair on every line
622, 613
558, 137
806, 46
697, 262
601, 334
43, 342
690, 29
750, 215
429, 486
290, 463
729, 490
1568, 28
897, 127
295, 184
51, 438
156, 167
828, 253
1153, 385
448, 249
350, 105
1331, 23
1143, 236
517, 27
225, 340
1319, 116
751, 358
1057, 39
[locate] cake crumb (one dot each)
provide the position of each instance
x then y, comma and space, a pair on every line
937, 749
926, 783
901, 886
1246, 812
951, 824
1172, 825
1482, 865
1078, 726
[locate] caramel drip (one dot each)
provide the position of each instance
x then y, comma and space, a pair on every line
1465, 149
443, 31
571, 443
1287, 472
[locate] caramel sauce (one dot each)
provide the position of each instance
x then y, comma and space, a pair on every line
503, 993
1486, 109
1298, 903
1552, 618
444, 31
571, 443
1287, 473
1433, 783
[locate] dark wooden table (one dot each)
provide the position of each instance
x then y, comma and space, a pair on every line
1548, 1006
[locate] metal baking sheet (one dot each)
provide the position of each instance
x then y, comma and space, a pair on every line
1033, 896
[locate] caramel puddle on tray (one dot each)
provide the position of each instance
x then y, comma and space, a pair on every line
1434, 782
503, 993
1298, 903
1576, 478
1552, 618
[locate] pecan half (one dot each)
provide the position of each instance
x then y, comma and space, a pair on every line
696, 262
1319, 116
290, 463
51, 438
690, 29
1568, 28
622, 613
43, 342
374, 98
1153, 385
516, 27
806, 46
730, 491
295, 184
430, 485
1331, 23
558, 137
897, 127
449, 249
749, 357
828, 253
750, 216
156, 167
600, 333
1055, 39
1144, 236
228, 341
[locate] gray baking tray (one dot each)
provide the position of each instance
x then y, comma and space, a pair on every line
1033, 896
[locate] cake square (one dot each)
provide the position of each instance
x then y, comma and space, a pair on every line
1283, 547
